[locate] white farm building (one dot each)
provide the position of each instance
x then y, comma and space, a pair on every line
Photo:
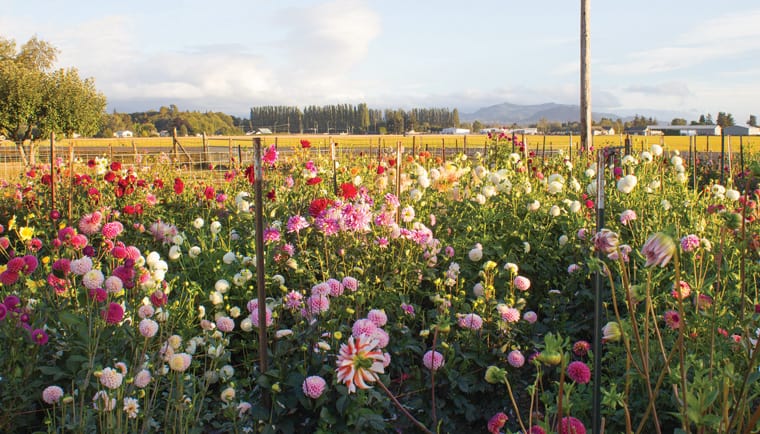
455, 131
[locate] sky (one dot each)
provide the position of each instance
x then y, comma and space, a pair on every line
651, 57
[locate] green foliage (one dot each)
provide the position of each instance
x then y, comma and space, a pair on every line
39, 101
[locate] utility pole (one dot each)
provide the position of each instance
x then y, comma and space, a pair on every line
586, 137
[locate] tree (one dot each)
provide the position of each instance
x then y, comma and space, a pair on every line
455, 118
725, 119
36, 98
476, 126
678, 121
752, 121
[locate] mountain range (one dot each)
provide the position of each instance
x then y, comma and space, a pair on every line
507, 113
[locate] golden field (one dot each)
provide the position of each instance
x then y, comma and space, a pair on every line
535, 142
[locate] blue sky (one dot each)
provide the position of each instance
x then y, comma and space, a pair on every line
651, 57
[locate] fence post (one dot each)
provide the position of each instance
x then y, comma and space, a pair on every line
543, 151
741, 152
205, 150
722, 157
334, 167
174, 144
229, 150
71, 177
443, 149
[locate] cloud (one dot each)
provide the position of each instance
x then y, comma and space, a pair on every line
722, 37
673, 88
324, 41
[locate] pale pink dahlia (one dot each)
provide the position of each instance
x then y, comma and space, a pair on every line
52, 394
111, 378
378, 317
227, 324
313, 386
522, 283
433, 360
363, 327
142, 378
148, 327
516, 359
470, 321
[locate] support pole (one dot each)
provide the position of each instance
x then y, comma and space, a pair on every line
52, 171
596, 415
260, 288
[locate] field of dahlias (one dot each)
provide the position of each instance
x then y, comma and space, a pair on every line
403, 294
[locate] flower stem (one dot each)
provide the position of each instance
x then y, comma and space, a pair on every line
398, 405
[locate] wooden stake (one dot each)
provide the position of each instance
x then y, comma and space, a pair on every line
52, 171
259, 235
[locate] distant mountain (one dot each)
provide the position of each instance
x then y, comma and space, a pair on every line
508, 114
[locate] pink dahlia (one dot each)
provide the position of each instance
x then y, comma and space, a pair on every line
318, 304
658, 249
470, 321
363, 327
114, 314
579, 372
682, 291
313, 386
227, 324
336, 287
148, 327
497, 422
672, 319
111, 378
581, 348
509, 314
689, 243
516, 359
433, 360
89, 224
112, 230
52, 394
378, 317
522, 283
142, 378
627, 216
571, 425
350, 283
39, 336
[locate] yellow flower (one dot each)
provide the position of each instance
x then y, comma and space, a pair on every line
12, 223
46, 260
26, 233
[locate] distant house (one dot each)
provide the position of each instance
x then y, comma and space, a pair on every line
258, 131
675, 130
526, 131
741, 130
603, 131
455, 131
637, 131
684, 130
123, 133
